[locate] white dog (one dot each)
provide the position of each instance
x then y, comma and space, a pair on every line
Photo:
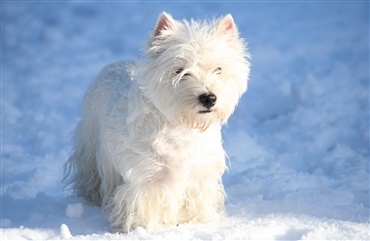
148, 148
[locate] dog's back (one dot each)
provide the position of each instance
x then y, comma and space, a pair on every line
112, 83
81, 170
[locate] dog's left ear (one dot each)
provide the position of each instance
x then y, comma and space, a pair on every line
165, 22
226, 25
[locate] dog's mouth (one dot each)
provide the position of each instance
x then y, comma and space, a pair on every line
204, 111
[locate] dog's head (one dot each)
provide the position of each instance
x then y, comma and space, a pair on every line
195, 72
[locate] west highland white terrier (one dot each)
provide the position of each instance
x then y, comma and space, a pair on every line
148, 147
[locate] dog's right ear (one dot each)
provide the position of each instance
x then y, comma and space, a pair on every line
165, 23
226, 25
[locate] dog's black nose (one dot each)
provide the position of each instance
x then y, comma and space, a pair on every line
208, 100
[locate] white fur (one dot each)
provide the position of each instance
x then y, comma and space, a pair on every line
143, 150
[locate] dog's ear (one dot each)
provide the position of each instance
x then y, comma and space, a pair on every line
226, 25
165, 22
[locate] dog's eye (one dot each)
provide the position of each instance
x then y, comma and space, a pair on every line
217, 70
179, 71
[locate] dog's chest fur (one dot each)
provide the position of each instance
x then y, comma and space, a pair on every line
187, 155
175, 152
179, 144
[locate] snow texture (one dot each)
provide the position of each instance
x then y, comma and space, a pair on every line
298, 142
64, 232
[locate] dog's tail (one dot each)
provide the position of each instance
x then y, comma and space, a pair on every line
81, 173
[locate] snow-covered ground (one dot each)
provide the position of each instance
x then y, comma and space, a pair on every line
298, 142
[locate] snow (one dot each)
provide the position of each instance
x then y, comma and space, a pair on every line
298, 142
64, 232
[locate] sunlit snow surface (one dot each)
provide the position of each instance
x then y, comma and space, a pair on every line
298, 142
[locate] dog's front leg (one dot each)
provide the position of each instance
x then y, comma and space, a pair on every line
151, 203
